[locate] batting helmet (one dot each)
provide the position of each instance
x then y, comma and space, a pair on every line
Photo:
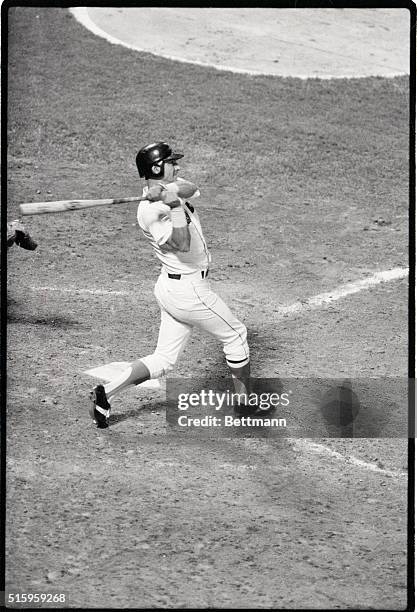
149, 158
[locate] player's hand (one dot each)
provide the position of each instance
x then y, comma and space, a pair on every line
186, 189
154, 193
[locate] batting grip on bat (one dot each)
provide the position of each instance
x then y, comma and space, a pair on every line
178, 189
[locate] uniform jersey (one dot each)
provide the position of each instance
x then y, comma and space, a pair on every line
154, 219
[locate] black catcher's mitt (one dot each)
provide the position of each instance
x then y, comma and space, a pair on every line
16, 233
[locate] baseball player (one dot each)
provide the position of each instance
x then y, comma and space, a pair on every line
169, 220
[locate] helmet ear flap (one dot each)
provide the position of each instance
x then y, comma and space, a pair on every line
156, 169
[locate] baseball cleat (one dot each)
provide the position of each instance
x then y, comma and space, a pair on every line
100, 407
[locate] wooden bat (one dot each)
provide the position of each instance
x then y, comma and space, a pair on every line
40, 208
181, 188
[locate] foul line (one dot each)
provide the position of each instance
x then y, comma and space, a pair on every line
321, 449
338, 293
342, 291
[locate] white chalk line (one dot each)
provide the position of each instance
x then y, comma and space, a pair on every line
322, 449
340, 292
325, 450
81, 291
296, 308
81, 15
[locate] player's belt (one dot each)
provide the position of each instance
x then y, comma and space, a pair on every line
204, 274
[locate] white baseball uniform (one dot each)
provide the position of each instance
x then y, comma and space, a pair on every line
184, 294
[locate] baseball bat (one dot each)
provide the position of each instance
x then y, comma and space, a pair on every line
40, 208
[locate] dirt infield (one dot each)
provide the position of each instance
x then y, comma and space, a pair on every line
138, 517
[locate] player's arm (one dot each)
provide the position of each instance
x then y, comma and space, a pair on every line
180, 237
171, 232
170, 194
186, 189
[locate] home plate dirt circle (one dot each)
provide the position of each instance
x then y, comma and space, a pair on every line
303, 43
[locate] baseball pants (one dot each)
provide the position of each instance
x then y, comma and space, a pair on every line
190, 302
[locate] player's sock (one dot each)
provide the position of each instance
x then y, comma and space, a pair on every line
241, 381
135, 374
241, 388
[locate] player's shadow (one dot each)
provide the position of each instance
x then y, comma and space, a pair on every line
158, 406
50, 320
